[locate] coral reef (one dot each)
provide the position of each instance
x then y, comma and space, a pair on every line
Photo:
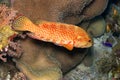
73, 11
105, 52
43, 60
81, 72
101, 64
7, 70
6, 33
5, 36
6, 15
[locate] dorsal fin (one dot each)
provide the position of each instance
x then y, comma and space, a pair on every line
39, 22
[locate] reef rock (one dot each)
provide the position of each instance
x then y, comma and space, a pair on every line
68, 11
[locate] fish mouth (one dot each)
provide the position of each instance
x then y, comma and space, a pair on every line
87, 45
90, 44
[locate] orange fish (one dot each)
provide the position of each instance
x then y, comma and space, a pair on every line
65, 35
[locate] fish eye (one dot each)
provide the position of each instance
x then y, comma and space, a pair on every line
89, 40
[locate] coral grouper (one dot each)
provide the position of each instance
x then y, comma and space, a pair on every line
65, 35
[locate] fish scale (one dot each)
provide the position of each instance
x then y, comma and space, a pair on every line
53, 33
62, 34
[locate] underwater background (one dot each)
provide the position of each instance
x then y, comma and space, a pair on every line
24, 58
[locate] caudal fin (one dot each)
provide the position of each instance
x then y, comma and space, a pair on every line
22, 23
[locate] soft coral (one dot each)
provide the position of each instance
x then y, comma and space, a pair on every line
6, 15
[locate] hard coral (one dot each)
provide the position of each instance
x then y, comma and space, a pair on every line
95, 8
72, 11
97, 27
45, 61
50, 10
36, 64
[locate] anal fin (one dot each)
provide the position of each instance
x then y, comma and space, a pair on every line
68, 46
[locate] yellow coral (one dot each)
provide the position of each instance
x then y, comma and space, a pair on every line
5, 33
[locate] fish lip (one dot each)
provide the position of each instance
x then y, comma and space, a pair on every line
87, 45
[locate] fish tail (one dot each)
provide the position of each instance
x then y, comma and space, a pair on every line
23, 23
